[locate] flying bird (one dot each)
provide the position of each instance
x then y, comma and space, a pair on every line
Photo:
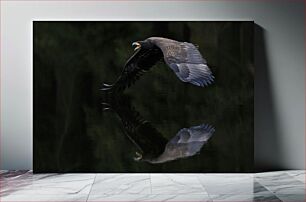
182, 57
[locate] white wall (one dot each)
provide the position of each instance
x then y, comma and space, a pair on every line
279, 88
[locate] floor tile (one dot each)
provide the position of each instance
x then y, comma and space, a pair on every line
224, 184
266, 198
43, 198
149, 198
11, 181
178, 198
121, 184
272, 175
281, 183
260, 189
291, 197
263, 194
245, 198
3, 171
231, 198
298, 175
47, 184
176, 184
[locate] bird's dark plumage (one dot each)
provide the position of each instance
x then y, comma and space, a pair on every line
141, 61
183, 58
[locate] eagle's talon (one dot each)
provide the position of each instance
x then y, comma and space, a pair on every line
107, 85
138, 156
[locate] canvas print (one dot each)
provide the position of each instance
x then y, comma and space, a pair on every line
143, 96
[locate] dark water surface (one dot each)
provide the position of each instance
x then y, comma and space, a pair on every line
73, 134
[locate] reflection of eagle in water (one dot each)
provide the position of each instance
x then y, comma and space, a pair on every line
187, 142
183, 58
152, 145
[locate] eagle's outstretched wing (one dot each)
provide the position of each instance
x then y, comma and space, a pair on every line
192, 139
185, 60
199, 133
187, 142
141, 61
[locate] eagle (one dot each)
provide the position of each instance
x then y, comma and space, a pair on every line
183, 58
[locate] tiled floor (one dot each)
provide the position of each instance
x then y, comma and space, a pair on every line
271, 186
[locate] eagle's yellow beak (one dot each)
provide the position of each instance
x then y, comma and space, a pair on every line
138, 45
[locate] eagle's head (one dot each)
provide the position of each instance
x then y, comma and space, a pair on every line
146, 44
137, 45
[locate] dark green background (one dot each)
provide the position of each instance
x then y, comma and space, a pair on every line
73, 134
